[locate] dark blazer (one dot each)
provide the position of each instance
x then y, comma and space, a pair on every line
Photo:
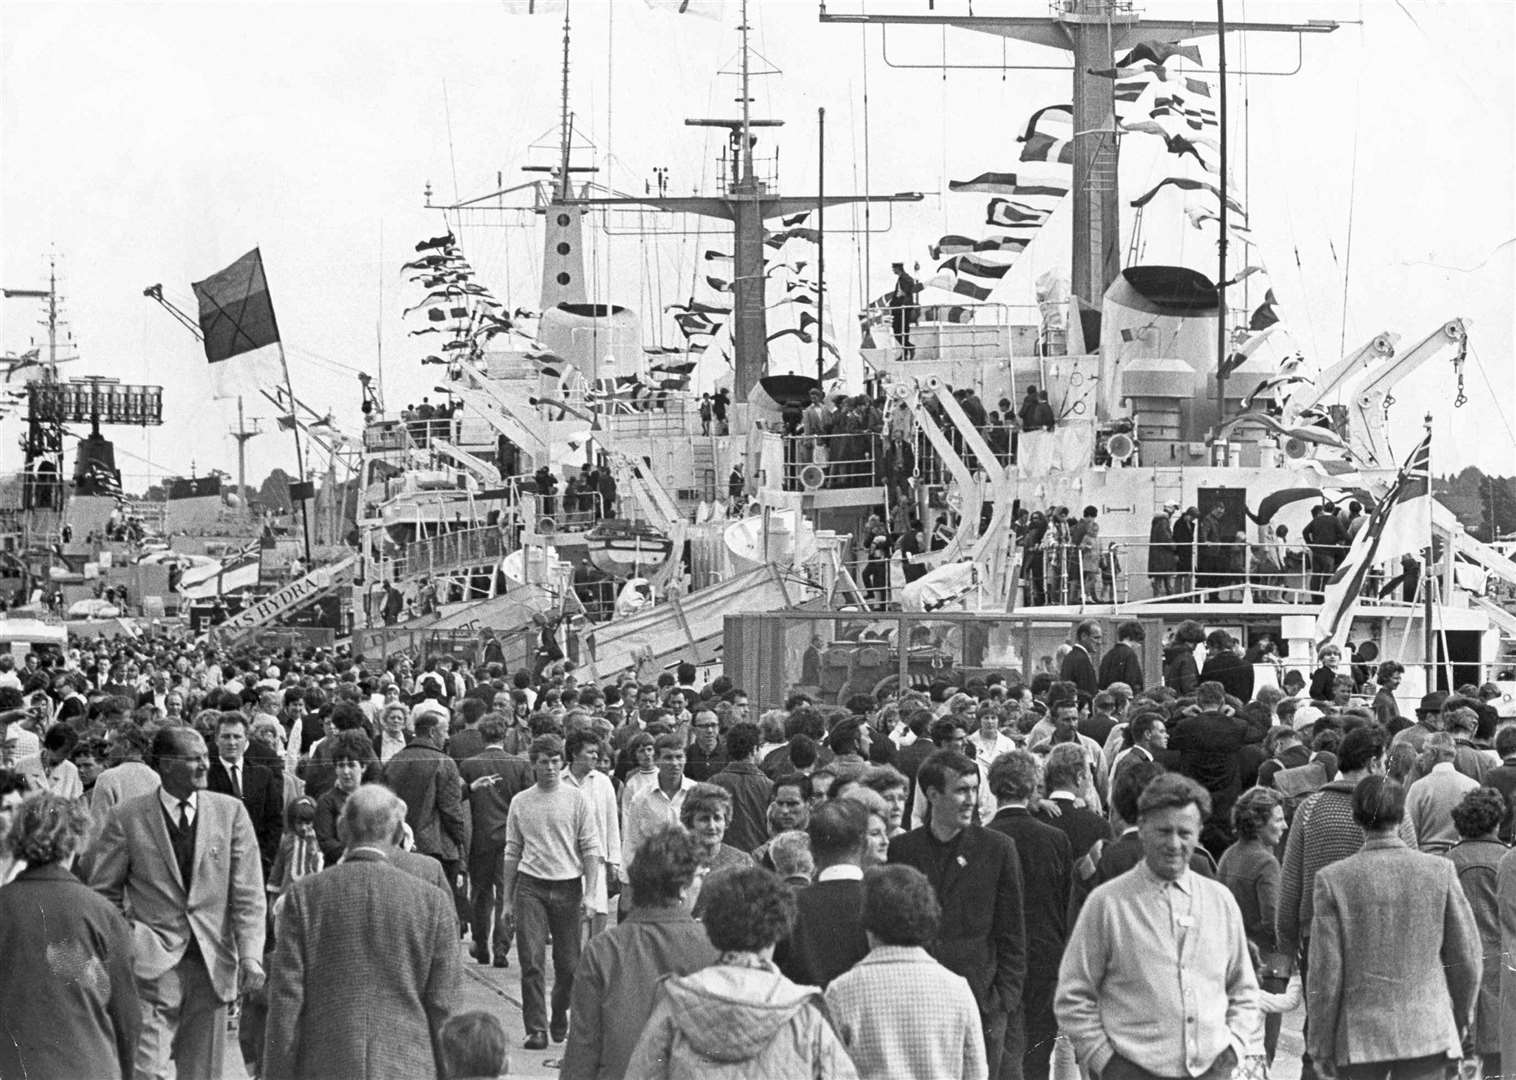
827, 938
1047, 875
462, 745
1234, 676
977, 877
489, 803
428, 781
337, 1006
1125, 852
1121, 664
262, 795
1208, 744
52, 1024
750, 791
1080, 824
1079, 669
700, 765
909, 762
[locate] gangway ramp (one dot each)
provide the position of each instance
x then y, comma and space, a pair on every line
689, 627
317, 583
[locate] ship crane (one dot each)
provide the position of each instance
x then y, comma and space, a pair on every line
1369, 355
1368, 436
993, 482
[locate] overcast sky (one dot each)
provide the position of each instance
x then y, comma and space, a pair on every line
155, 142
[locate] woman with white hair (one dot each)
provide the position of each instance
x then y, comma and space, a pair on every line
52, 925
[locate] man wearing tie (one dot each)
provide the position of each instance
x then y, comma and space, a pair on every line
260, 789
184, 864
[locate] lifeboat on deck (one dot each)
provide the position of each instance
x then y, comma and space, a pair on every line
624, 549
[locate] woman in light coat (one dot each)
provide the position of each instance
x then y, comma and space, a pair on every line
740, 1018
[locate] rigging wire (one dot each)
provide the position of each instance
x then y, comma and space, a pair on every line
447, 112
1347, 263
1494, 397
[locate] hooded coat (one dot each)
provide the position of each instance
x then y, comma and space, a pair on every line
736, 1022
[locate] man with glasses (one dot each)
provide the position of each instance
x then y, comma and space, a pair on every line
706, 755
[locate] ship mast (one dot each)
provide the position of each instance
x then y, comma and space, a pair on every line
747, 203
561, 191
1094, 31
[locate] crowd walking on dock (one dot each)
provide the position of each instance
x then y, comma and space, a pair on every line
981, 877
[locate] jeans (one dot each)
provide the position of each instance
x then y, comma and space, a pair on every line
542, 908
484, 869
452, 869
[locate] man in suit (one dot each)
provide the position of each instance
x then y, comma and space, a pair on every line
1063, 775
427, 779
1208, 742
184, 864
749, 788
977, 877
1121, 663
1047, 869
1079, 665
1147, 737
493, 778
467, 740
338, 1005
261, 791
1391, 987
1223, 665
827, 937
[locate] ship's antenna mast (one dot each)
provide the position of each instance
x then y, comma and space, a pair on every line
1221, 280
52, 311
242, 433
747, 102
565, 118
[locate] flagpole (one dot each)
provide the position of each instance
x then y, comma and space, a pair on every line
820, 242
1221, 282
305, 520
1428, 631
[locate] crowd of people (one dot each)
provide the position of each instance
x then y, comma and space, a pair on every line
990, 877
866, 439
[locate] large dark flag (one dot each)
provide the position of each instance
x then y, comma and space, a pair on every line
1399, 525
241, 334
